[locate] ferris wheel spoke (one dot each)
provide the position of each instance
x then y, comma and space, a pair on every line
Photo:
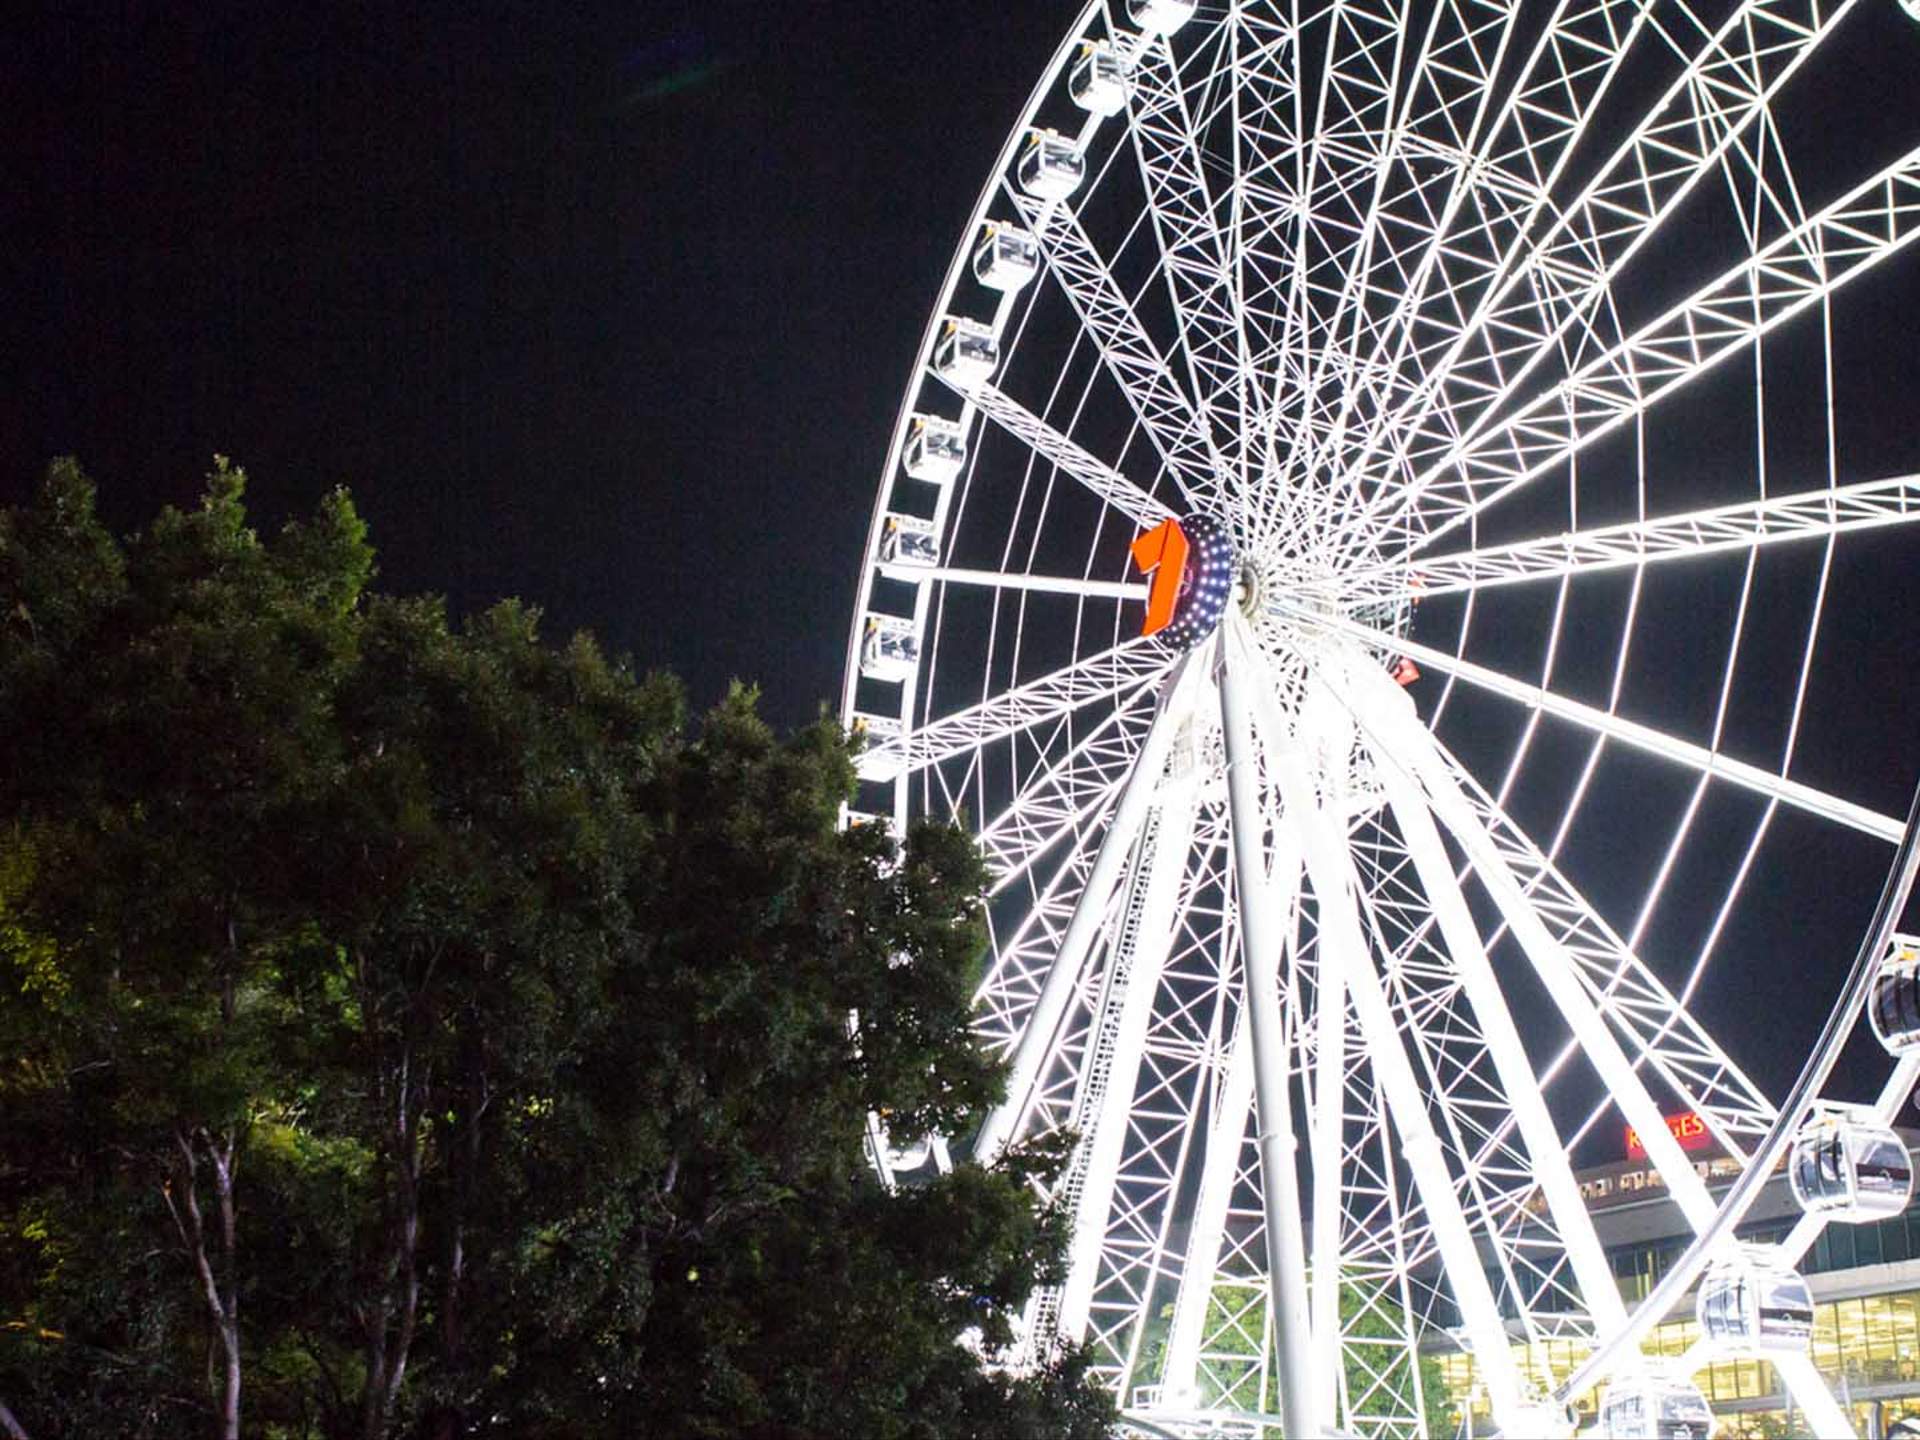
1832, 247
1357, 134
1549, 1165
1442, 1024
1629, 732
1108, 1113
1232, 1105
1459, 49
1806, 515
1808, 1389
1015, 580
1049, 444
1551, 918
1525, 148
1130, 810
1100, 677
1350, 137
1170, 418
1198, 264
1065, 798
1566, 270
1403, 742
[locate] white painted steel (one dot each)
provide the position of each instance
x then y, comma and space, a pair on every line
1000, 580
1107, 1089
1175, 706
1260, 941
1810, 515
1809, 1391
1545, 1146
1388, 291
1642, 737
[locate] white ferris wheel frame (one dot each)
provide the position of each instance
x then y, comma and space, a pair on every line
1260, 838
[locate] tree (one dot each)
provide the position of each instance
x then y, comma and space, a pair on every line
418, 1029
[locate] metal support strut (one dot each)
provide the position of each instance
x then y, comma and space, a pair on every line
1259, 943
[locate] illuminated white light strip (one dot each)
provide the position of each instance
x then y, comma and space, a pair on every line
1812, 515
1628, 732
1001, 580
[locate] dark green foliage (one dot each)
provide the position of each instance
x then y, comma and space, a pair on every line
410, 1029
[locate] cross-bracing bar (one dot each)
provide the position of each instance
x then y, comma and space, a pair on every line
1037, 1039
1106, 1102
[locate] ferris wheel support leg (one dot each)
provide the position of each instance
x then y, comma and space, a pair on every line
1545, 1149
1329, 730
1387, 711
1809, 1391
1130, 810
1106, 1137
1329, 868
1220, 1170
1261, 935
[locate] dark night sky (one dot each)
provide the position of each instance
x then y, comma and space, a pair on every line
603, 305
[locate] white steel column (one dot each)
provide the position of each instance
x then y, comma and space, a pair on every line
1518, 1082
1809, 1391
1172, 844
1327, 736
1129, 811
1219, 1170
1329, 868
1261, 935
1388, 712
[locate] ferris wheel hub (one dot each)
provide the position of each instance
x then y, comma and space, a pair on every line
1207, 583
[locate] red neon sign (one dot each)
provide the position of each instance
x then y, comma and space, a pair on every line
1161, 552
1688, 1128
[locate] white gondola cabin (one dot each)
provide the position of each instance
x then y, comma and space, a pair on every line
1654, 1405
1895, 1003
890, 650
1849, 1170
966, 353
1753, 1301
1051, 166
935, 449
1101, 79
1006, 257
1160, 17
909, 543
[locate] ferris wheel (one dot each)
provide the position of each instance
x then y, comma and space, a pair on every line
1378, 508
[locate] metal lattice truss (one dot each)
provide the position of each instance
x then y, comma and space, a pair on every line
1418, 301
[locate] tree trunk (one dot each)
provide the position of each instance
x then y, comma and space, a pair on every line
223, 1165
387, 1367
449, 1420
182, 1192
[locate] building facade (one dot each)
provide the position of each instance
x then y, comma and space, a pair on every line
1865, 1281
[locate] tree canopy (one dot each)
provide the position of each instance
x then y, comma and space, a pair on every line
413, 1028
